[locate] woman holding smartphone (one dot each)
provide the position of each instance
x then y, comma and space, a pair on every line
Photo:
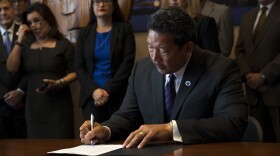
47, 59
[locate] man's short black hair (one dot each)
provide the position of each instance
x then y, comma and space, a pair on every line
175, 21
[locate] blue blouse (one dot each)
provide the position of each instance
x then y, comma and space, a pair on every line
101, 56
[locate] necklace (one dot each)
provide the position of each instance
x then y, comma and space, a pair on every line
42, 43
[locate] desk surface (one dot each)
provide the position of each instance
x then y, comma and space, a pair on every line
27, 147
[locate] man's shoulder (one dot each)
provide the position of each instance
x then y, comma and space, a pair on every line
250, 13
212, 58
218, 7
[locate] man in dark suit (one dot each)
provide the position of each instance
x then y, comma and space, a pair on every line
209, 105
12, 122
258, 54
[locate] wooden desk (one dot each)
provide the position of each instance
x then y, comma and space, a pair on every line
22, 147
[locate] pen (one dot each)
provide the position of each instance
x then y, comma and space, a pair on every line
91, 124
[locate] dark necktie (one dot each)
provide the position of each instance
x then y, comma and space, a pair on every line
170, 94
7, 42
260, 23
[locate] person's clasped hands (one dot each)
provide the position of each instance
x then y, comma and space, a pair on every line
140, 137
100, 97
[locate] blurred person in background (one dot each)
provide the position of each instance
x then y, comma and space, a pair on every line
19, 6
207, 33
105, 54
12, 86
47, 58
258, 54
224, 20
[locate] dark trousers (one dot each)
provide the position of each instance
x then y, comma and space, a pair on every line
12, 122
263, 114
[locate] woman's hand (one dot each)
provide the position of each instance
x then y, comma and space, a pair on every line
22, 31
49, 84
100, 97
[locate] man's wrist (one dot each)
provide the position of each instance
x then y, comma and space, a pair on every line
171, 128
18, 43
109, 133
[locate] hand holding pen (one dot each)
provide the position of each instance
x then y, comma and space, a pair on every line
93, 133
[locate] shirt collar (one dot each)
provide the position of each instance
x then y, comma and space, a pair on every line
269, 6
11, 29
179, 74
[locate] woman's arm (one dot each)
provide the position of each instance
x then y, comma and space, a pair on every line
13, 61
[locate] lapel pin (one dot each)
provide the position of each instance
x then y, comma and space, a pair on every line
188, 83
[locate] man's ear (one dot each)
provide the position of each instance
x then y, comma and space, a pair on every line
188, 47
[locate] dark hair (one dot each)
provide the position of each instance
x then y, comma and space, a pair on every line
175, 21
117, 15
47, 15
10, 1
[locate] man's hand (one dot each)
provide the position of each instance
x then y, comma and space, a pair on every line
98, 134
100, 97
148, 133
254, 80
14, 99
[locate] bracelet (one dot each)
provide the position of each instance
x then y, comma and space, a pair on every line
20, 44
62, 82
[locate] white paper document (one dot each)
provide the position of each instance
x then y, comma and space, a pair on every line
87, 149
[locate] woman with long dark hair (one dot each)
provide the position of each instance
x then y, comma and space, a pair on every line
105, 54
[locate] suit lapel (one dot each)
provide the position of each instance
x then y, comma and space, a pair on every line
157, 90
274, 13
3, 54
189, 80
90, 44
113, 40
250, 26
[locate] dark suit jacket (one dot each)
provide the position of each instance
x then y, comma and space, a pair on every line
207, 34
211, 109
263, 56
122, 55
9, 81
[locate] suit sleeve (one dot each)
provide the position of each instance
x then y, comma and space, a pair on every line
128, 118
229, 119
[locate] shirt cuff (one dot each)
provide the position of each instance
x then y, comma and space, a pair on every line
19, 90
109, 133
176, 134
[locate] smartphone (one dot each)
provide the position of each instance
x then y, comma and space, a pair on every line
43, 87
